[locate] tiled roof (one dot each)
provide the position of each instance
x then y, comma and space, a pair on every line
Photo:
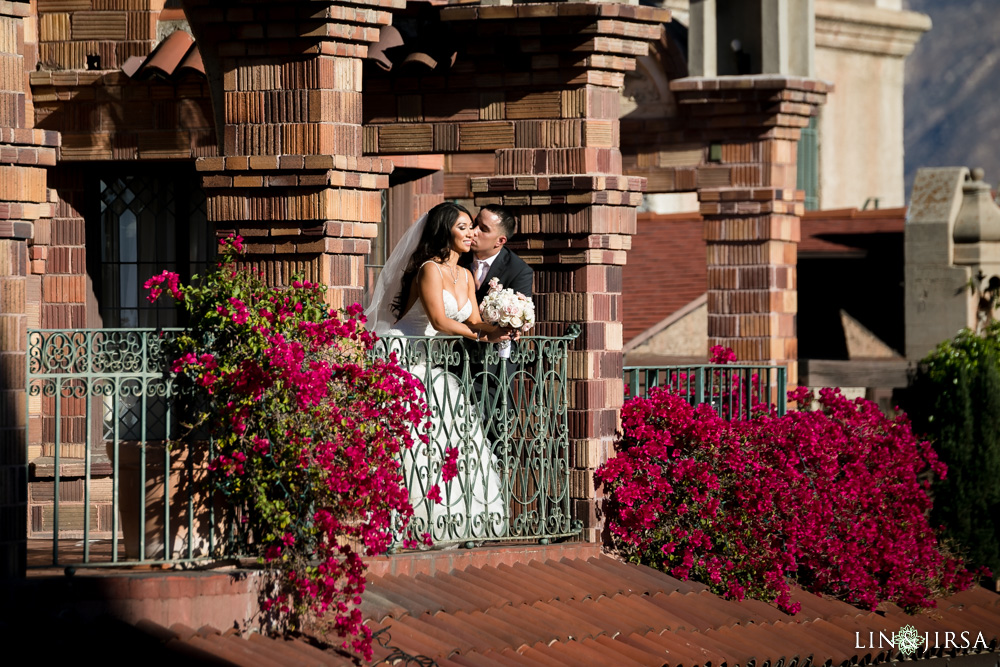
666, 269
175, 54
845, 230
599, 611
208, 645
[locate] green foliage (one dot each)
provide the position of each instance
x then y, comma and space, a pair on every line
954, 398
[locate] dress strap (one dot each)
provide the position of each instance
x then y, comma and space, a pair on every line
431, 261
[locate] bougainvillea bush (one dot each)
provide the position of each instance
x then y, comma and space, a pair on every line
834, 500
306, 427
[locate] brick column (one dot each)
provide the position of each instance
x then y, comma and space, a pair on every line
747, 190
563, 179
286, 87
579, 230
24, 153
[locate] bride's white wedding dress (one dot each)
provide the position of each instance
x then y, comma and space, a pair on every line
472, 504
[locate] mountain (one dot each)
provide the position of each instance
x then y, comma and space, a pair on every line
952, 97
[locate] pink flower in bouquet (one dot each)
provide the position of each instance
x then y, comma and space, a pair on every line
507, 308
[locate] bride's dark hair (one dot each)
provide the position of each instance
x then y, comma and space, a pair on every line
435, 243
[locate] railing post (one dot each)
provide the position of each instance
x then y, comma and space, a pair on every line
782, 401
88, 443
700, 385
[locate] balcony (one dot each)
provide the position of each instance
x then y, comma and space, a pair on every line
106, 419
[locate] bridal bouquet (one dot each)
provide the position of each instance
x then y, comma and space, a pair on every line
509, 309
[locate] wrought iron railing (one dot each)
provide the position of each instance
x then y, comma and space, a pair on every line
732, 389
103, 407
507, 419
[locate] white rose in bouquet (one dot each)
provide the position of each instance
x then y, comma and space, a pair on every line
508, 309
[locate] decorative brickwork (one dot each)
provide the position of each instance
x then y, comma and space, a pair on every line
108, 116
24, 208
286, 81
73, 32
747, 128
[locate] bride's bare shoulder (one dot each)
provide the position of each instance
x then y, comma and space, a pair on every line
428, 269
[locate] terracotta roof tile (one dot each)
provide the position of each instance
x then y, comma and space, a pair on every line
470, 577
541, 656
470, 629
502, 632
690, 610
473, 596
528, 658
582, 653
424, 623
428, 589
648, 646
576, 583
625, 613
633, 653
529, 627
542, 587
606, 647
496, 579
176, 52
694, 647
406, 595
578, 621
413, 640
761, 611
594, 582
375, 605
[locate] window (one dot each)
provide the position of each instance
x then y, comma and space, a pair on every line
149, 220
378, 253
807, 176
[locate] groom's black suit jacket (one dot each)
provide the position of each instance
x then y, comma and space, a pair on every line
507, 267
512, 272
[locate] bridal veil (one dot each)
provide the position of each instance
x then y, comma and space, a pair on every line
379, 315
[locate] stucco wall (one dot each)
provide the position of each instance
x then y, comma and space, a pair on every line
862, 49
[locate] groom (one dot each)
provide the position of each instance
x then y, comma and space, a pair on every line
488, 259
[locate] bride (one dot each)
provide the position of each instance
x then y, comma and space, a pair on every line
422, 292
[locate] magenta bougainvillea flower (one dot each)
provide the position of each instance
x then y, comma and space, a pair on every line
833, 500
307, 427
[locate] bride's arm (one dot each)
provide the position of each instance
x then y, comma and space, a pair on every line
430, 288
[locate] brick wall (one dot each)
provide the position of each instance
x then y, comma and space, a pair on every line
25, 153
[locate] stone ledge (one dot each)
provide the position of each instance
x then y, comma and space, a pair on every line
557, 9
521, 185
295, 163
868, 29
29, 137
217, 598
751, 82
